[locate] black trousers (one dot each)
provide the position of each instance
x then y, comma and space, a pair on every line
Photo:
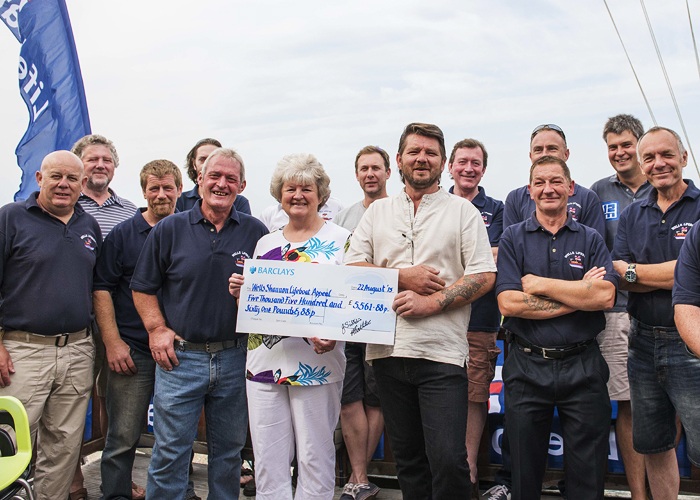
576, 386
425, 410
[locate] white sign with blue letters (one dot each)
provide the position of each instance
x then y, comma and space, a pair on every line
347, 303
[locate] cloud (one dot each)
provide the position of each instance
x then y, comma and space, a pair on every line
272, 78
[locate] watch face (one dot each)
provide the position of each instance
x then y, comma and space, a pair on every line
631, 275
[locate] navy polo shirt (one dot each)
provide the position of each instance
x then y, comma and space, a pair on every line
646, 235
46, 269
584, 207
113, 273
190, 262
485, 316
188, 199
528, 248
614, 198
686, 276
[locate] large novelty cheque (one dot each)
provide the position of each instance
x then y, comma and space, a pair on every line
330, 302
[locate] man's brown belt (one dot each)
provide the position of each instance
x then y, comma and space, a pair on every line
56, 340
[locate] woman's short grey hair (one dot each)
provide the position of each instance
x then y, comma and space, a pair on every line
304, 169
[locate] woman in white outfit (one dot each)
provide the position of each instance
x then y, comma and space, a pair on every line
294, 384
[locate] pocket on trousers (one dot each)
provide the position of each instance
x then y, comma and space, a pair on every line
28, 360
82, 361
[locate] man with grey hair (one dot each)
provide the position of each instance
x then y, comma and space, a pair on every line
188, 258
438, 242
46, 352
663, 373
616, 192
100, 160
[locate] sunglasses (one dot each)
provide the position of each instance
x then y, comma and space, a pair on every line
548, 126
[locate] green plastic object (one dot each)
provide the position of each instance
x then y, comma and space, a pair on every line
13, 467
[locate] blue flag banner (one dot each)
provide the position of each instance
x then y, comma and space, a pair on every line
50, 83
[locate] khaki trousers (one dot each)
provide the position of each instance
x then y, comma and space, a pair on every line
54, 385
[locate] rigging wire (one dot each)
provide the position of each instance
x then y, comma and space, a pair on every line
653, 118
692, 33
668, 83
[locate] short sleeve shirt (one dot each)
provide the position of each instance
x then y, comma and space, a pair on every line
583, 205
485, 315
686, 277
614, 198
291, 360
46, 273
528, 248
113, 273
350, 217
646, 235
447, 233
190, 262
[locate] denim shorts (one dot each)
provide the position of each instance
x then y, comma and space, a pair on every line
664, 380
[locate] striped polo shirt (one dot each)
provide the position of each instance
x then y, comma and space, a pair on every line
111, 213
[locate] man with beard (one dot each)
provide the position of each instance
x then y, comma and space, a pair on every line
433, 239
132, 368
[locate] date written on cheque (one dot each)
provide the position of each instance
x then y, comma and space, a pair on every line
367, 306
362, 287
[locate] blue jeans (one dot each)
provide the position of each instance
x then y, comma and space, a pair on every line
128, 397
425, 409
217, 383
664, 379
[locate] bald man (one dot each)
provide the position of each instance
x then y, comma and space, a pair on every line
50, 246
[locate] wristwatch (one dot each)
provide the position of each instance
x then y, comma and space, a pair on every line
631, 273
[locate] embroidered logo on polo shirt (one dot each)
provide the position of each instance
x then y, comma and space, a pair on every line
240, 257
611, 210
575, 259
680, 231
486, 216
574, 209
89, 242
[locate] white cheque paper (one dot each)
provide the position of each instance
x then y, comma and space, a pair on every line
310, 300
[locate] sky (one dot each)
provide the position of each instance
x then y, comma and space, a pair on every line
271, 78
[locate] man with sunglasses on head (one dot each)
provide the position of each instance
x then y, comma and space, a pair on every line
584, 207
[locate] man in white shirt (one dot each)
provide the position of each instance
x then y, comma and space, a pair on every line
434, 239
